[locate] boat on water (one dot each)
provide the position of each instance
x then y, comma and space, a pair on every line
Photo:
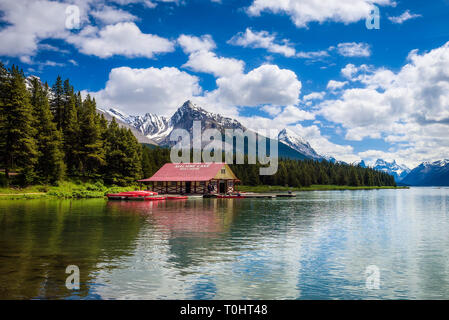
143, 196
177, 197
135, 195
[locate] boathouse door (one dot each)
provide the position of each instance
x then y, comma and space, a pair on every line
188, 187
222, 188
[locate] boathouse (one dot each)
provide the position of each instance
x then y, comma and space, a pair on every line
193, 178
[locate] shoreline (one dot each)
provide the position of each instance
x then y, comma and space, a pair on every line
264, 188
78, 192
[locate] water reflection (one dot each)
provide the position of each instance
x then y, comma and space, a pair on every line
39, 239
316, 246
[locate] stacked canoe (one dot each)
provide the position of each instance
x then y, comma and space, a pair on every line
142, 196
136, 196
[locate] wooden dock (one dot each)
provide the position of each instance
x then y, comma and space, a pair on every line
258, 195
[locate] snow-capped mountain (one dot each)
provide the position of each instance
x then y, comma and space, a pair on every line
298, 143
150, 125
429, 174
399, 172
158, 128
120, 121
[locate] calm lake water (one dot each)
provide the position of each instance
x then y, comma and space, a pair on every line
317, 246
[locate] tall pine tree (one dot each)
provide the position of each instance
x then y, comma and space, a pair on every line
18, 147
50, 166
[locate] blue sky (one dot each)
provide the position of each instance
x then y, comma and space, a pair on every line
310, 65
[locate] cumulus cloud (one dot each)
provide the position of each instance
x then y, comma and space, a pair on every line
354, 49
28, 22
202, 59
110, 15
313, 55
263, 39
409, 109
153, 90
123, 38
303, 12
404, 17
267, 84
268, 41
314, 96
322, 145
335, 85
264, 85
192, 44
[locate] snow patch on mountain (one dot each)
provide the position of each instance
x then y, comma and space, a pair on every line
399, 172
298, 143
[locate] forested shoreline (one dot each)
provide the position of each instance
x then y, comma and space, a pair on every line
51, 134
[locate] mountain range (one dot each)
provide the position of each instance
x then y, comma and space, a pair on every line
429, 174
155, 129
399, 172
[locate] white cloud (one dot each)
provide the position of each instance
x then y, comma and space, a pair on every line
404, 17
110, 15
272, 110
202, 59
302, 12
267, 84
138, 91
27, 22
287, 116
192, 44
263, 39
208, 62
314, 96
314, 55
335, 85
322, 145
266, 40
123, 38
409, 109
353, 49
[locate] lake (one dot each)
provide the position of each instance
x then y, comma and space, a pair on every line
377, 244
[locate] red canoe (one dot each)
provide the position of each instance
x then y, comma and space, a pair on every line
133, 194
154, 198
177, 197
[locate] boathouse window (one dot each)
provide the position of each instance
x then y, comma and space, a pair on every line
202, 183
223, 171
173, 183
159, 183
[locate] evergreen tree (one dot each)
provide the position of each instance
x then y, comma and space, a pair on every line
50, 166
123, 156
16, 127
57, 103
353, 178
92, 152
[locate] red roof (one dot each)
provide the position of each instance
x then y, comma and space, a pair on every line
186, 172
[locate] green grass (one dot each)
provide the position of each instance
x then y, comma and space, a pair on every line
65, 189
264, 188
